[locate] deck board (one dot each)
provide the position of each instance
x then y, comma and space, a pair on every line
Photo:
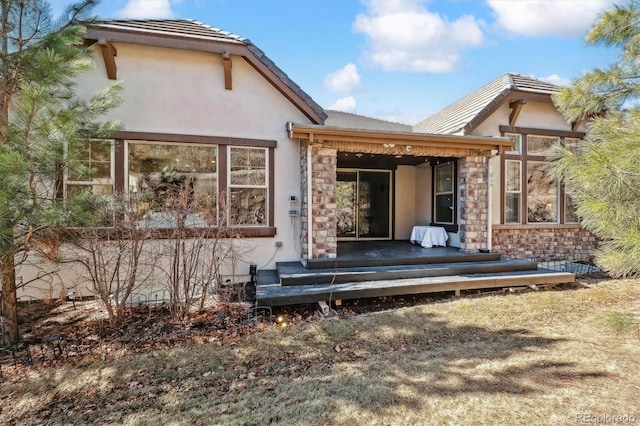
273, 294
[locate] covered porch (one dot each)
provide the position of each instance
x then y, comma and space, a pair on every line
361, 185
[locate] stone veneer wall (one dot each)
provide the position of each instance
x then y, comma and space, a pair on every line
304, 200
473, 202
323, 201
542, 241
324, 206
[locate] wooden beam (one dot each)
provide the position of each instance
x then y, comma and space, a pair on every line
226, 62
516, 107
542, 132
332, 134
109, 54
575, 125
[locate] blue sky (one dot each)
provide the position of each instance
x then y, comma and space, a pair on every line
400, 60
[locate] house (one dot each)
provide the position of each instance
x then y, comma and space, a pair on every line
530, 215
210, 107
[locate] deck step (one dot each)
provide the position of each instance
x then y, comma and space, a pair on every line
269, 292
294, 274
381, 258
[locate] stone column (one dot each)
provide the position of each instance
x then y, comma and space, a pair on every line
473, 202
323, 202
304, 200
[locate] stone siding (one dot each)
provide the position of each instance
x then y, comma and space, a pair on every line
304, 200
323, 202
323, 174
542, 242
473, 203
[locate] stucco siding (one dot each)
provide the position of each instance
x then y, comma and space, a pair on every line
405, 202
183, 92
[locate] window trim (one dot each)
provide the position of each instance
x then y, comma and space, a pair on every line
449, 226
525, 158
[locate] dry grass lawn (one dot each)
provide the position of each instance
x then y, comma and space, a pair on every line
532, 358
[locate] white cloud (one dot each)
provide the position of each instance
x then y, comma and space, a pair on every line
548, 17
347, 104
556, 79
403, 35
147, 9
345, 80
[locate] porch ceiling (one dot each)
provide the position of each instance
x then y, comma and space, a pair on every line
417, 144
361, 160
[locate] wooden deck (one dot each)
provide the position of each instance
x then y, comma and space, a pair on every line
393, 268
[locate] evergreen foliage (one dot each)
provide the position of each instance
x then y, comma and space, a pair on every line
603, 174
41, 116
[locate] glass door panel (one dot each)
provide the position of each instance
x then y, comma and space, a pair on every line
363, 200
346, 196
373, 204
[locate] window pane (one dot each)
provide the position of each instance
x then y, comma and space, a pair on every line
162, 171
540, 145
444, 177
248, 206
444, 208
90, 160
512, 208
512, 175
542, 194
248, 166
570, 215
571, 144
518, 142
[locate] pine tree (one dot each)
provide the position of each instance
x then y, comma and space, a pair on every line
40, 115
603, 174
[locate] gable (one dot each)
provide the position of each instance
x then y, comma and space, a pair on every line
467, 114
196, 37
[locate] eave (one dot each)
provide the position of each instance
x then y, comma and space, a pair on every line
313, 134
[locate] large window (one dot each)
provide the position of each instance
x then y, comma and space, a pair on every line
531, 195
173, 177
542, 194
201, 179
90, 167
444, 195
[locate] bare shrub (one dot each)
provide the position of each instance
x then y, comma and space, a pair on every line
199, 248
115, 260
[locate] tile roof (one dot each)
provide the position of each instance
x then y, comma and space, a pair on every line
458, 116
194, 30
348, 120
175, 27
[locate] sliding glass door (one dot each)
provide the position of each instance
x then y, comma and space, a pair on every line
364, 204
